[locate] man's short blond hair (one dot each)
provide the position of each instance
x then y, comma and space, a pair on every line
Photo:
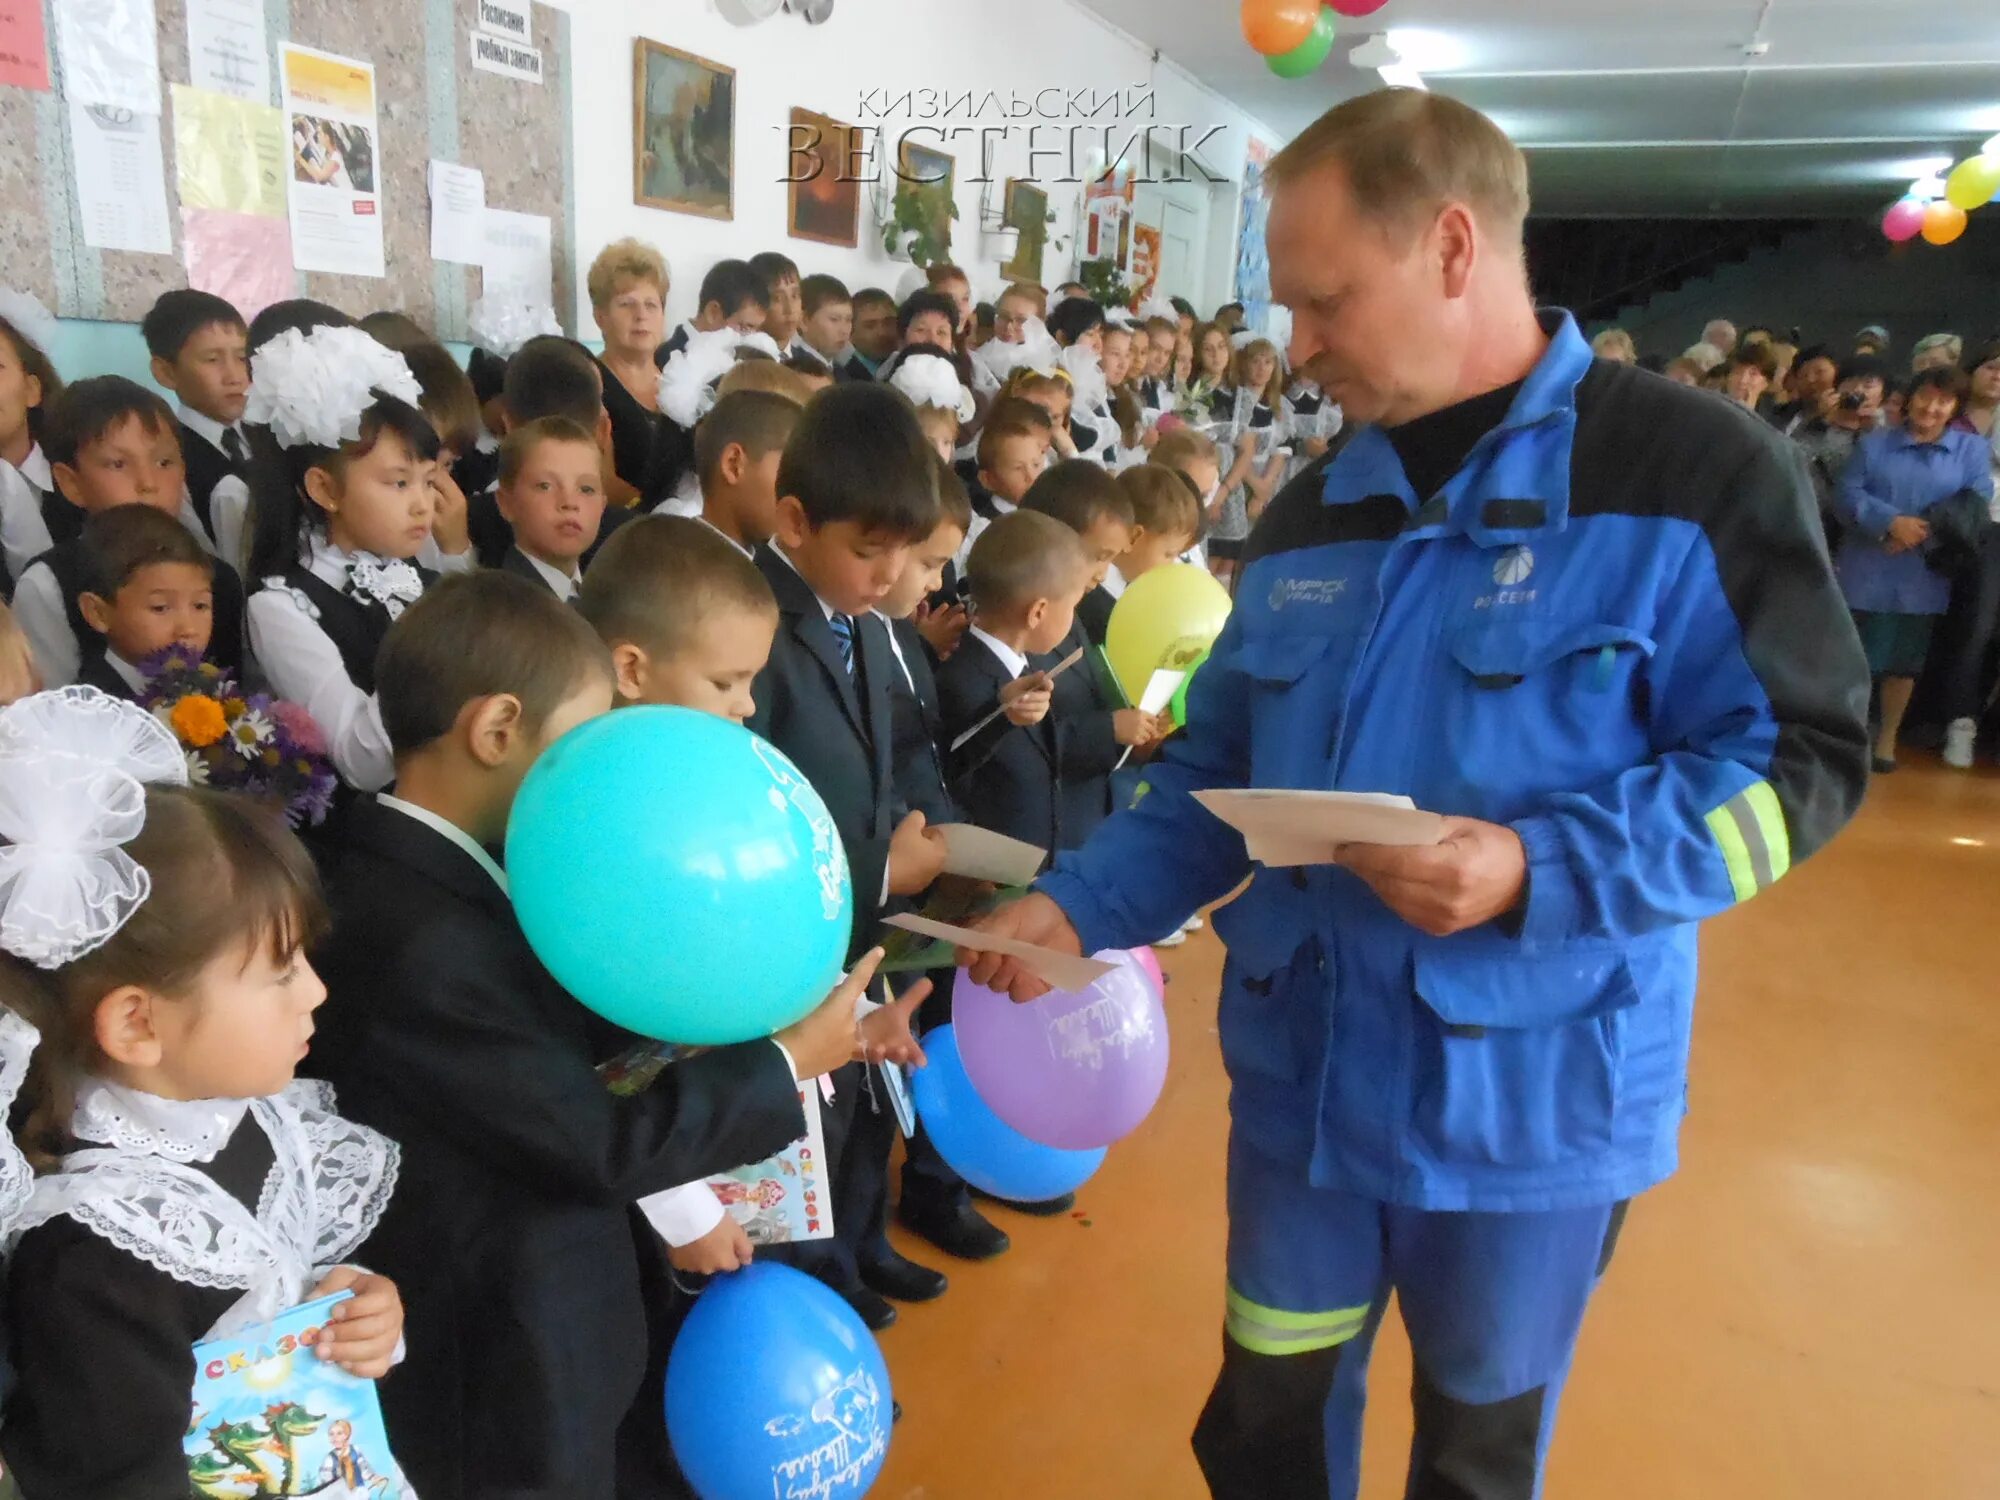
1407, 153
622, 263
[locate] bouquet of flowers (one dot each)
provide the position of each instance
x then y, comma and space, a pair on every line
237, 741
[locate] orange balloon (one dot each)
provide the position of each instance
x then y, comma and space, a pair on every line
1276, 26
1943, 222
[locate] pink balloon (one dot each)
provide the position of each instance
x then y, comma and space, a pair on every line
1904, 220
1150, 962
1074, 1071
1356, 7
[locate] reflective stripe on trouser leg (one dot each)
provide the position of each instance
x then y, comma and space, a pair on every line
1271, 1330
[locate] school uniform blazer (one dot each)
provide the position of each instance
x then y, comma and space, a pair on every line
919, 726
1093, 613
1086, 738
207, 466
509, 1238
1006, 776
839, 734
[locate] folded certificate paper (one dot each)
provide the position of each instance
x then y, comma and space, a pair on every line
981, 854
1285, 828
1000, 708
1062, 971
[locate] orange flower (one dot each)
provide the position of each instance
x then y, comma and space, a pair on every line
198, 719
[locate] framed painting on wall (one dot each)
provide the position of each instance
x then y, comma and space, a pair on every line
683, 131
928, 174
1026, 209
824, 194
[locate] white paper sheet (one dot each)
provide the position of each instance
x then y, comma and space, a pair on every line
228, 52
458, 213
509, 18
1285, 828
1160, 690
981, 854
1054, 672
496, 54
121, 179
1062, 971
516, 261
110, 54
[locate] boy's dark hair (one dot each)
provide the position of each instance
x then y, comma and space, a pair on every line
982, 314
449, 400
178, 315
871, 296
858, 455
88, 409
395, 330
488, 373
809, 365
1022, 557
118, 542
1865, 367
819, 291
1011, 417
1227, 307
760, 422
553, 376
1816, 351
521, 441
954, 505
1947, 378
729, 284
1073, 317
1079, 494
1162, 500
657, 578
774, 266
921, 302
473, 635
302, 313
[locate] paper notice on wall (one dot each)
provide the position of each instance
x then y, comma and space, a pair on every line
458, 213
228, 52
518, 267
511, 59
245, 259
110, 55
509, 18
121, 179
229, 153
24, 45
334, 178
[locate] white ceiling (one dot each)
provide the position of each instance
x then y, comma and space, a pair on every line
1653, 106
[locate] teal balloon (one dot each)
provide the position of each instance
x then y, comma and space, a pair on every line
679, 876
1309, 54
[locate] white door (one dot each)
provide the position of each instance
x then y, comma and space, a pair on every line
1180, 209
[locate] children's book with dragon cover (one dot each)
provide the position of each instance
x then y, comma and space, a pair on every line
272, 1418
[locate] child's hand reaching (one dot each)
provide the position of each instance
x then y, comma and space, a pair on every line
916, 856
18, 677
451, 526
826, 1038
886, 1036
723, 1249
1027, 699
1134, 726
942, 628
362, 1333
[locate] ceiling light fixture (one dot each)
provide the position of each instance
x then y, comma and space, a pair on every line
1924, 189
1426, 50
1991, 148
1395, 70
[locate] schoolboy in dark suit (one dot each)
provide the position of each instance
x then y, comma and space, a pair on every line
551, 492
855, 492
200, 349
1027, 572
144, 583
510, 1234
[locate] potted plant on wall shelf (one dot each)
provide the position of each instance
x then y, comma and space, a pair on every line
1106, 287
919, 226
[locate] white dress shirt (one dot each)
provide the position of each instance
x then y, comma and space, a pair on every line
24, 535
36, 467
564, 585
229, 514
127, 673
300, 661
1006, 655
979, 524
1114, 582
202, 425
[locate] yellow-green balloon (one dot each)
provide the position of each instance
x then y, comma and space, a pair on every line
1973, 182
1164, 621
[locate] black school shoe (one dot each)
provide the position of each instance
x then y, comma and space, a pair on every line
954, 1226
1048, 1208
903, 1279
1883, 766
874, 1311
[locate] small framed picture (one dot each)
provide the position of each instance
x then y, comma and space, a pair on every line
824, 192
683, 132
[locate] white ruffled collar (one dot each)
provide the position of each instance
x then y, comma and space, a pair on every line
183, 1130
392, 582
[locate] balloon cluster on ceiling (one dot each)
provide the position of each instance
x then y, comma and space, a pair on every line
1295, 36
1972, 184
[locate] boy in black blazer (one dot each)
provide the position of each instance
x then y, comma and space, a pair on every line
855, 491
144, 584
510, 1237
1092, 732
200, 349
1026, 573
551, 493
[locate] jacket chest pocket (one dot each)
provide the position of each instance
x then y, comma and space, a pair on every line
1274, 1010
1296, 682
1557, 705
1518, 1059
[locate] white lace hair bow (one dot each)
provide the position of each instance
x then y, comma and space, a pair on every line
1037, 350
687, 380
17, 1179
502, 325
314, 387
31, 320
1086, 376
1158, 307
72, 767
933, 382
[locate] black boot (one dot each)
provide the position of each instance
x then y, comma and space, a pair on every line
953, 1225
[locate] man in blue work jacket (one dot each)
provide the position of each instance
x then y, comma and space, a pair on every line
1585, 613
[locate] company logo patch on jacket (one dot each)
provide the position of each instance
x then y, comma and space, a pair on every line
1287, 591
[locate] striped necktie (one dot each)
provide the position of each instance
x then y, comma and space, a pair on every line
843, 636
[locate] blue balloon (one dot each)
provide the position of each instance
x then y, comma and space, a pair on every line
774, 1387
981, 1147
679, 876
